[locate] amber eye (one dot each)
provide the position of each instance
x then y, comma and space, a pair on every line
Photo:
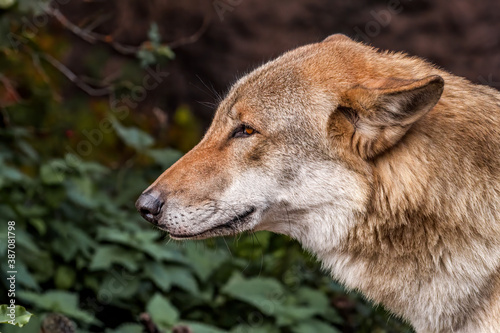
243, 131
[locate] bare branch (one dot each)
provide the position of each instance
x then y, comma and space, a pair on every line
74, 78
84, 34
194, 37
88, 35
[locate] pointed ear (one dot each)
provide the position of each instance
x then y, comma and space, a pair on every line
378, 118
336, 37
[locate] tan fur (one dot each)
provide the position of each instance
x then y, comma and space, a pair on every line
384, 166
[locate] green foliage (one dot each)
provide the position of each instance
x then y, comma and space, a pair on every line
153, 51
163, 313
4, 4
132, 136
82, 249
20, 316
84, 252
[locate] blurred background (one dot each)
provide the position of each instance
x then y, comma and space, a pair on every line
98, 97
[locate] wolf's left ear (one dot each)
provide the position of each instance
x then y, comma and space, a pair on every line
375, 119
336, 37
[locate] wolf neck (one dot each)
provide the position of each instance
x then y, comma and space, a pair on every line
432, 267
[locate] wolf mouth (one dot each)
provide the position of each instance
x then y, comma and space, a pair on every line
237, 219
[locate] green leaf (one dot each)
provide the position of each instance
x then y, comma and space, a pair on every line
183, 278
204, 263
107, 255
12, 174
25, 240
257, 328
81, 191
40, 264
4, 4
59, 301
118, 286
32, 211
27, 149
146, 57
24, 276
132, 136
164, 157
154, 34
114, 235
291, 314
39, 225
158, 273
160, 252
313, 325
165, 51
201, 328
71, 240
53, 173
163, 313
264, 293
126, 328
32, 327
314, 299
65, 277
33, 7
14, 315
164, 277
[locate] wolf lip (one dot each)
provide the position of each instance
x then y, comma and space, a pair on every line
230, 223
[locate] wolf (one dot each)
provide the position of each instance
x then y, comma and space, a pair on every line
384, 166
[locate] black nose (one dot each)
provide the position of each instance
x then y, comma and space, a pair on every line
149, 206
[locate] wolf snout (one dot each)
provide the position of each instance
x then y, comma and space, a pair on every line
149, 206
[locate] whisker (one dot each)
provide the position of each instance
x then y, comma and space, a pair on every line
261, 253
227, 246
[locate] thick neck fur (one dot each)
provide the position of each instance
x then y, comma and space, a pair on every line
428, 245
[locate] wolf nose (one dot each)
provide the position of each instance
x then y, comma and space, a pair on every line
149, 206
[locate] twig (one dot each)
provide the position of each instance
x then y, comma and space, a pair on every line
98, 21
10, 88
89, 35
92, 37
194, 37
84, 34
36, 62
74, 78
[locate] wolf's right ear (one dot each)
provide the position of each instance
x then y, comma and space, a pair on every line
375, 119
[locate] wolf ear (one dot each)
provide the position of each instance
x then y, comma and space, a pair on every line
377, 118
336, 37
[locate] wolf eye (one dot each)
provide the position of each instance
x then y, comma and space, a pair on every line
243, 131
